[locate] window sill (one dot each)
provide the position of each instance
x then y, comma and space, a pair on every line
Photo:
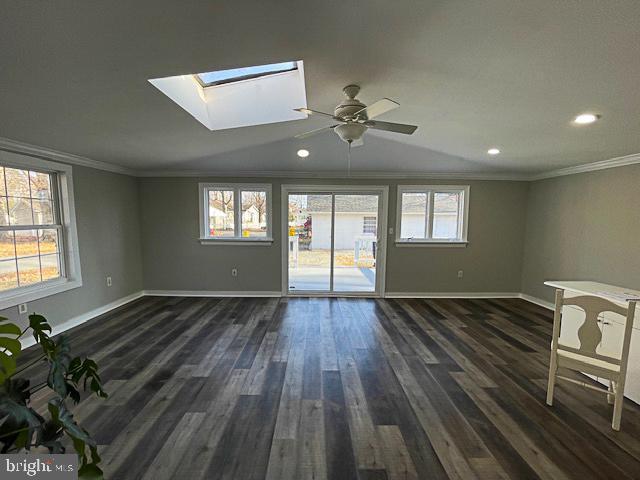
265, 242
36, 292
432, 243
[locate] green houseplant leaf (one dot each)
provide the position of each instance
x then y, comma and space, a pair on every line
80, 438
39, 325
19, 421
21, 427
60, 359
10, 348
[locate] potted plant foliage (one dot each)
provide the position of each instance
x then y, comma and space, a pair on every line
21, 427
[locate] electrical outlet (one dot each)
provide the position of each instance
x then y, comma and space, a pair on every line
22, 308
234, 272
390, 230
460, 274
109, 282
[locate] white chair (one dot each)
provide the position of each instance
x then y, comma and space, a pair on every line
585, 358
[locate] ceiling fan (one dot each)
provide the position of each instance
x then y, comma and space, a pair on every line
354, 118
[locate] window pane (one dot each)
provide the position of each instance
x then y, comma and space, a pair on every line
3, 190
50, 266
48, 240
8, 275
17, 182
221, 218
413, 222
4, 216
26, 243
42, 212
7, 247
370, 226
445, 215
254, 214
20, 212
29, 270
40, 185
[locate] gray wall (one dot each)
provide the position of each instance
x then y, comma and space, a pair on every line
108, 216
173, 259
520, 234
583, 227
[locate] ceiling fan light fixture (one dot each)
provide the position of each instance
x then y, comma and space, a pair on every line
302, 153
350, 132
493, 151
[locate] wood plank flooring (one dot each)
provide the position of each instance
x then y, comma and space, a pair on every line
319, 388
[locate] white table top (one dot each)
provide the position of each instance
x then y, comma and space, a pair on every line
597, 289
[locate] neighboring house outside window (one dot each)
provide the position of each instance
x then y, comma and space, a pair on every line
38, 239
432, 214
356, 218
239, 212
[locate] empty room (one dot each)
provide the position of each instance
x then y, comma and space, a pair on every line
290, 240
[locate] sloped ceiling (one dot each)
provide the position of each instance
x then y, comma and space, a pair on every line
472, 74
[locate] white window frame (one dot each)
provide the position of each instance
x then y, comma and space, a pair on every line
237, 188
70, 269
429, 190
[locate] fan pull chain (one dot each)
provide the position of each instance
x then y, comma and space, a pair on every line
349, 161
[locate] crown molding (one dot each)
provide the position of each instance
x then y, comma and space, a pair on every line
333, 174
15, 146
589, 167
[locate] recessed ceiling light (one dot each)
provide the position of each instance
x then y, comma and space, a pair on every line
493, 151
302, 153
586, 118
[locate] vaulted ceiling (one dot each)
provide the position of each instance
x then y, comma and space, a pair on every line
471, 74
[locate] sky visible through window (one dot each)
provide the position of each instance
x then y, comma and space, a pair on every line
224, 76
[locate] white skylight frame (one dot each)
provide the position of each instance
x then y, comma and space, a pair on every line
263, 99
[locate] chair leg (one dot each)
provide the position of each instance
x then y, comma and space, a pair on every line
552, 382
617, 407
611, 396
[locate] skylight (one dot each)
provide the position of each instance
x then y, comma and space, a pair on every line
208, 79
240, 97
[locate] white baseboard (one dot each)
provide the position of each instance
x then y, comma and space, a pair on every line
85, 317
537, 301
452, 295
211, 293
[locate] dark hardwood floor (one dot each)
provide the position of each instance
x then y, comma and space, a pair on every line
316, 388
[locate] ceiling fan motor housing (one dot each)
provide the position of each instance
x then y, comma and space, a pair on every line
350, 132
350, 105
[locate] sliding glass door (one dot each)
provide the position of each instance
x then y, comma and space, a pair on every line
333, 241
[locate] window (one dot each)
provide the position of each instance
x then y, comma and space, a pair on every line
432, 214
235, 212
37, 230
370, 225
208, 79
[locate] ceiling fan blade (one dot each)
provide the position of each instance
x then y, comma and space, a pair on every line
381, 106
391, 127
358, 143
308, 111
313, 132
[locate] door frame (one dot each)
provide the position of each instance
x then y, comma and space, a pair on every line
381, 249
